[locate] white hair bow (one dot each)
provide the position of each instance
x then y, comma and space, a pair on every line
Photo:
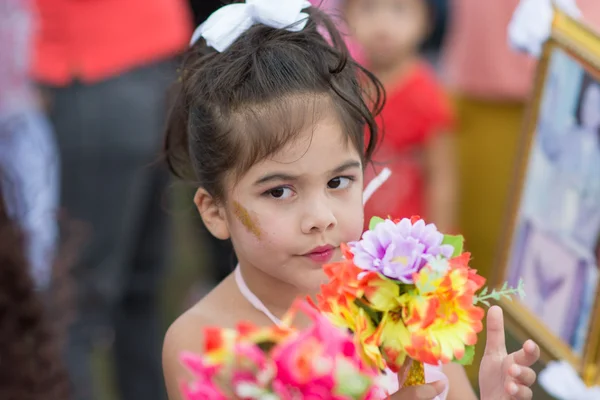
226, 24
560, 380
531, 23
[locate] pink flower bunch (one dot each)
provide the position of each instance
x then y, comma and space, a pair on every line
279, 363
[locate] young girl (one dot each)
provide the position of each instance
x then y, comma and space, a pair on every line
270, 123
417, 118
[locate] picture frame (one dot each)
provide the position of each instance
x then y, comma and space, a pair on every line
552, 238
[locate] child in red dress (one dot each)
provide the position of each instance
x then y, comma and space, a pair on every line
417, 119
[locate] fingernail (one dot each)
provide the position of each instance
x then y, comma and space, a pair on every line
512, 389
530, 345
515, 370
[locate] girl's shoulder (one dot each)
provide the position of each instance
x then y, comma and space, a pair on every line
218, 308
186, 334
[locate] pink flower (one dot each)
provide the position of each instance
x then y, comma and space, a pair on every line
203, 388
311, 362
318, 363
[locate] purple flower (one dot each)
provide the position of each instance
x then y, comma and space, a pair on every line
398, 250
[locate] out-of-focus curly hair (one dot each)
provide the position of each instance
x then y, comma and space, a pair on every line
30, 359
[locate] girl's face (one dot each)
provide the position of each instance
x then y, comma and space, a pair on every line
289, 213
590, 112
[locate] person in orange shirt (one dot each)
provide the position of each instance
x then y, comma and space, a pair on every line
105, 67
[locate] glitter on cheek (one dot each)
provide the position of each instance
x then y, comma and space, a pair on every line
244, 216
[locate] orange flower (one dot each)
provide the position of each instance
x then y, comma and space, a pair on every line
444, 320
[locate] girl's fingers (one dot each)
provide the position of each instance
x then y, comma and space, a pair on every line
517, 391
522, 375
528, 355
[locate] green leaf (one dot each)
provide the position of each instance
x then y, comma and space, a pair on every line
353, 387
374, 222
484, 291
372, 314
456, 241
350, 382
468, 357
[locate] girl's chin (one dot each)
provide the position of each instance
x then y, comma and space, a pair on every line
315, 278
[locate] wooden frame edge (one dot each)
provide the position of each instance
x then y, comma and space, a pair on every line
577, 40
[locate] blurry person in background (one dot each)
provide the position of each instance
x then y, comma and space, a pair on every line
417, 119
29, 165
105, 67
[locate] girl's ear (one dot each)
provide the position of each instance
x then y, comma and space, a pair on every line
212, 214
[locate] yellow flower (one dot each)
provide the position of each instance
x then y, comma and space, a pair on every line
368, 339
394, 337
381, 293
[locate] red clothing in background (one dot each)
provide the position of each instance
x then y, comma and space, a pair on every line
91, 40
416, 109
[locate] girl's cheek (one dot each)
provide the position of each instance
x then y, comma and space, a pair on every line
247, 220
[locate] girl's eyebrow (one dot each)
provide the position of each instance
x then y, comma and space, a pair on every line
347, 165
282, 176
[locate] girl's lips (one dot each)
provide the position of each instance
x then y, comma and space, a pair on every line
321, 254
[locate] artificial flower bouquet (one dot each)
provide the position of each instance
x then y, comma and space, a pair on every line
280, 363
406, 290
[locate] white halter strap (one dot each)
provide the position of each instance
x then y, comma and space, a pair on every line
251, 297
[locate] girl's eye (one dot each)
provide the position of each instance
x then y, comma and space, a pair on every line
340, 182
280, 193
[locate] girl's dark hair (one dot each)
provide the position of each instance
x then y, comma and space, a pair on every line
30, 362
237, 107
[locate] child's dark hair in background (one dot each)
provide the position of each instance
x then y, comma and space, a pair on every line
439, 12
30, 360
237, 107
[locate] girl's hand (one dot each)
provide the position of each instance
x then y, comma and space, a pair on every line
422, 392
505, 376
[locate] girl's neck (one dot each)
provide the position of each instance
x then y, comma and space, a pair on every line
276, 295
391, 74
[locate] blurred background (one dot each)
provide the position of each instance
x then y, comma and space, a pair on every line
84, 94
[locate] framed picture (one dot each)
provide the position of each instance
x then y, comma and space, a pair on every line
553, 238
